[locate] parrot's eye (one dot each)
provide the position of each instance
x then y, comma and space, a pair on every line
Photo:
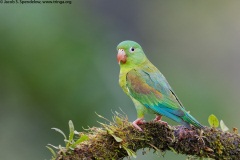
131, 49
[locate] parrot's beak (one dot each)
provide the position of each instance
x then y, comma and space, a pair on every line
121, 56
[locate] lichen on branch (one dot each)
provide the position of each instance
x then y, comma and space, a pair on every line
120, 139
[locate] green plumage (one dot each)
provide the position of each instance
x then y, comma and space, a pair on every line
147, 87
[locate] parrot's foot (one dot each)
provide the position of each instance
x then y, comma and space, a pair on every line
200, 137
138, 121
158, 119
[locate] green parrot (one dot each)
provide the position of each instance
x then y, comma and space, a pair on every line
148, 88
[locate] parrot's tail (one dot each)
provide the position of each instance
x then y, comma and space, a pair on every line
190, 119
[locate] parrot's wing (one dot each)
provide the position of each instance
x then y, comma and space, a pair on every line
159, 82
152, 90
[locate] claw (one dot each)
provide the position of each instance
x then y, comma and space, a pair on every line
158, 119
136, 122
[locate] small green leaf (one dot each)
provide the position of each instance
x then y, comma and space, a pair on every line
224, 128
80, 140
71, 134
53, 146
109, 130
106, 127
118, 121
71, 129
67, 141
174, 151
102, 117
52, 151
130, 152
213, 121
60, 131
117, 138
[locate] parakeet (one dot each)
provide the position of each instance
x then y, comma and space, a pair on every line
148, 88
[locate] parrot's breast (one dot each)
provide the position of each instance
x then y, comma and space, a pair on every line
122, 82
122, 79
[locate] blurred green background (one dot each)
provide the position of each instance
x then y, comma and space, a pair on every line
58, 63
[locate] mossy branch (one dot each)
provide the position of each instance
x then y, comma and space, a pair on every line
119, 139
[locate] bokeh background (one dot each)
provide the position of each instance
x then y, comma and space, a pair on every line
58, 63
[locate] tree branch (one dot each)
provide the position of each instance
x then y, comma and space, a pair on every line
119, 139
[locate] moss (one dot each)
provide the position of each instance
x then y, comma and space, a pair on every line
119, 139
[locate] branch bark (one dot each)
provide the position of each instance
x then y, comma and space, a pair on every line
119, 140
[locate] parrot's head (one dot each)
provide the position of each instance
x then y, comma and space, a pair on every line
130, 53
